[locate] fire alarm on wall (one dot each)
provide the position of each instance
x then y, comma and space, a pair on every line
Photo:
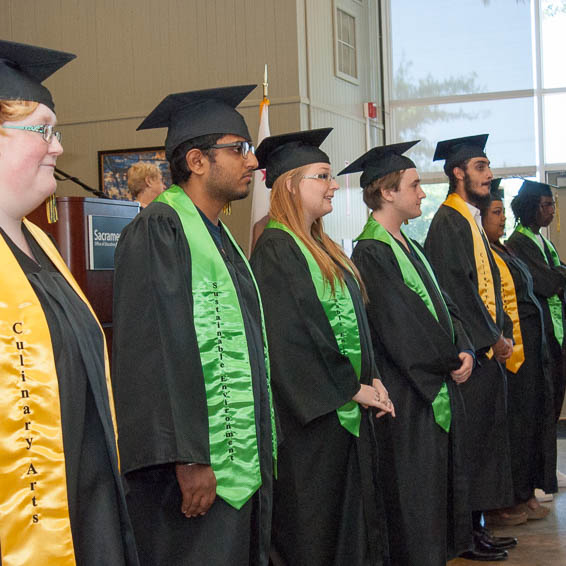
370, 110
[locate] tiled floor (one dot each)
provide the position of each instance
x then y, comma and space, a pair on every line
541, 543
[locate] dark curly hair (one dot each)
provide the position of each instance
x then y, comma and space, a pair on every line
525, 207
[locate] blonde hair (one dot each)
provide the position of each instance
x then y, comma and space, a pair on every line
12, 110
286, 208
137, 175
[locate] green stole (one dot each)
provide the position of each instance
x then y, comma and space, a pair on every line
224, 357
554, 303
339, 309
375, 231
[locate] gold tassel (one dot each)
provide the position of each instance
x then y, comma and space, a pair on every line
227, 209
51, 207
557, 209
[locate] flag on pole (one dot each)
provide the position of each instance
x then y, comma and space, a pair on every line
260, 195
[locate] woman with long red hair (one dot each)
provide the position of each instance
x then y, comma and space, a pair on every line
325, 383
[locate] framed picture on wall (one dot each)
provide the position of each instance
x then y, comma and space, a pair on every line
113, 168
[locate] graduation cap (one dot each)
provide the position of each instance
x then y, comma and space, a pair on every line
534, 188
189, 115
279, 154
24, 67
495, 192
458, 150
381, 161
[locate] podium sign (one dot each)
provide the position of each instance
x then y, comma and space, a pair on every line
103, 235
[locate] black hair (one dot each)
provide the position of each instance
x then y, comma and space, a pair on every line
180, 171
452, 181
525, 208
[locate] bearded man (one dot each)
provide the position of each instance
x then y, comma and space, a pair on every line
460, 254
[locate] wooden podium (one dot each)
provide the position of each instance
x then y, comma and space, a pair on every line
73, 233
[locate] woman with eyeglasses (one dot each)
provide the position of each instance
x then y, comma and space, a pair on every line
61, 498
325, 384
534, 208
530, 409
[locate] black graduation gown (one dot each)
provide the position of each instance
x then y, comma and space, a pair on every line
421, 466
449, 247
100, 526
530, 415
161, 404
548, 280
326, 508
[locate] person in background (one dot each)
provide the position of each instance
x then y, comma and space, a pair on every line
423, 353
327, 507
530, 412
534, 208
61, 496
145, 182
466, 271
193, 402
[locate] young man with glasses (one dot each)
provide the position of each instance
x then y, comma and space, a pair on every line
534, 208
194, 409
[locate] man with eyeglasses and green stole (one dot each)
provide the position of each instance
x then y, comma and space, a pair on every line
193, 398
534, 208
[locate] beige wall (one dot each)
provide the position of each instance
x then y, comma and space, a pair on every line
328, 100
131, 53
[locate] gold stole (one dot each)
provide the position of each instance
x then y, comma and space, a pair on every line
34, 516
486, 287
509, 296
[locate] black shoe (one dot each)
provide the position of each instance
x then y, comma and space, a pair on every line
499, 543
484, 556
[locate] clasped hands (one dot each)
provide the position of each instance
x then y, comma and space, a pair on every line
375, 395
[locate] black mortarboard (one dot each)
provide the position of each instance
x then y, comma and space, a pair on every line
189, 115
459, 150
534, 188
24, 67
495, 192
279, 154
381, 161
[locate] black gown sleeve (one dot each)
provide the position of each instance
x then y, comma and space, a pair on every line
450, 250
309, 374
403, 329
461, 339
547, 280
157, 374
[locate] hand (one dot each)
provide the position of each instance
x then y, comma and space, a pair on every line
368, 396
461, 374
198, 487
384, 397
502, 349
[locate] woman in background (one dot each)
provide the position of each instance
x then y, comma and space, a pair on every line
145, 182
530, 412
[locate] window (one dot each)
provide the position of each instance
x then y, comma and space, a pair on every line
346, 54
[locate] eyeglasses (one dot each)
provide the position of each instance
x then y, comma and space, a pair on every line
242, 147
46, 131
321, 177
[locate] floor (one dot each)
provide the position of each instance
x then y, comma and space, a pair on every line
541, 543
